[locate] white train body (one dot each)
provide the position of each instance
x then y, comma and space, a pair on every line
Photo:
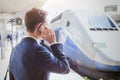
96, 35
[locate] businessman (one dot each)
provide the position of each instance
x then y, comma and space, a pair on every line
32, 61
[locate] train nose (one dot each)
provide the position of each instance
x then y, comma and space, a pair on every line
107, 63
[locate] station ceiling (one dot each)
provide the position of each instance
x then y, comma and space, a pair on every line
15, 6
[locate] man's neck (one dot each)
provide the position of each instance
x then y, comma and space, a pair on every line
34, 36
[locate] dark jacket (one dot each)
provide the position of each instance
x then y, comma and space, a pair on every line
31, 61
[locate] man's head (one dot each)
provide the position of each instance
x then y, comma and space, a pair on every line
35, 19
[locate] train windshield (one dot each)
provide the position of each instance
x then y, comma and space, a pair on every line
100, 22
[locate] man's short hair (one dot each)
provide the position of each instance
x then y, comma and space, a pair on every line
33, 17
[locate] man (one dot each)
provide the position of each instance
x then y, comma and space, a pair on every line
32, 61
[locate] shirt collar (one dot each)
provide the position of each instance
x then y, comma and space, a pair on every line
38, 41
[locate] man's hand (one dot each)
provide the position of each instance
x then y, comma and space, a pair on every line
49, 35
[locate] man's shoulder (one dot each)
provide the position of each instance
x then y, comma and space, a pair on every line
41, 48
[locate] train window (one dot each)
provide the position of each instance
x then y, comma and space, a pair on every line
68, 23
116, 29
56, 18
105, 29
92, 29
100, 22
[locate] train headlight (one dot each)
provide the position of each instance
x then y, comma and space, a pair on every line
99, 45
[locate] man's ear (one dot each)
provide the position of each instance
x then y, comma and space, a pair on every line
38, 27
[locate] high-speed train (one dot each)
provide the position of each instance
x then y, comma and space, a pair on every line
91, 42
